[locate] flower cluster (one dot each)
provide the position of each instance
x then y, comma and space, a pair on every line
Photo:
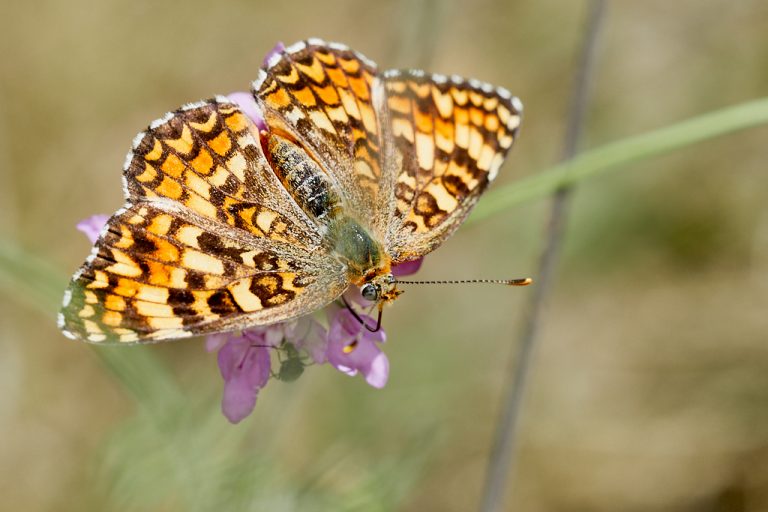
247, 359
245, 362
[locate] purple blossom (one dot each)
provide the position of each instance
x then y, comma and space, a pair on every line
352, 348
276, 50
245, 364
407, 267
245, 100
93, 225
248, 106
347, 345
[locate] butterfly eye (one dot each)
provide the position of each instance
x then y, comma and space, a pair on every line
369, 292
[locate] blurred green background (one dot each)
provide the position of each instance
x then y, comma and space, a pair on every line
650, 386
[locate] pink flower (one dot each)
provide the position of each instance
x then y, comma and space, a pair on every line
309, 335
246, 103
352, 348
245, 365
93, 225
407, 267
245, 100
276, 50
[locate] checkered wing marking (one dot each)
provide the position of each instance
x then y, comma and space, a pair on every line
323, 94
450, 138
207, 156
159, 272
204, 244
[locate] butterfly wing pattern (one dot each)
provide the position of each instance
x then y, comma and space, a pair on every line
324, 93
412, 151
450, 137
210, 239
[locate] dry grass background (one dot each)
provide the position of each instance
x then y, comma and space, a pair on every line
650, 390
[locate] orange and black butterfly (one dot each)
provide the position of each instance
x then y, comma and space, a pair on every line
227, 226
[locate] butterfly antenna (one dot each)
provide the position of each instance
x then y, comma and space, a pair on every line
509, 282
357, 316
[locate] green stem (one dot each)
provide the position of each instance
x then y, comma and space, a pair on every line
626, 151
29, 279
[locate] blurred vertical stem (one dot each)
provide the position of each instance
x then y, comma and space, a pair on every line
504, 447
418, 32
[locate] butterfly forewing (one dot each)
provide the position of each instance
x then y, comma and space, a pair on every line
208, 157
324, 95
208, 242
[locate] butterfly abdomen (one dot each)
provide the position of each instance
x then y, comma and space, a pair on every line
304, 179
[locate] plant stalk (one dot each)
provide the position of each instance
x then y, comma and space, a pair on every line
507, 434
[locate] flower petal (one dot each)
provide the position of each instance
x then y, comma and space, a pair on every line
407, 267
215, 341
231, 354
345, 369
249, 107
352, 348
245, 365
93, 225
273, 334
377, 372
276, 50
238, 400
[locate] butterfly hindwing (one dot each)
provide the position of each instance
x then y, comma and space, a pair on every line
450, 137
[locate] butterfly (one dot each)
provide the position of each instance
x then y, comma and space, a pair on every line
228, 225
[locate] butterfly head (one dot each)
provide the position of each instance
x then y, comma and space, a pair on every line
380, 288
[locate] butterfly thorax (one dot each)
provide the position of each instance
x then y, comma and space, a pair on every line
363, 256
313, 190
